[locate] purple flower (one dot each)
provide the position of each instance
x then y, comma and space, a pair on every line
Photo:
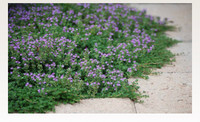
79, 13
61, 77
99, 33
38, 90
27, 84
30, 85
129, 70
71, 12
118, 84
55, 79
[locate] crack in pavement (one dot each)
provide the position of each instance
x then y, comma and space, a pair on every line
135, 107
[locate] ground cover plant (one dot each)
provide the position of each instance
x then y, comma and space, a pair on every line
61, 53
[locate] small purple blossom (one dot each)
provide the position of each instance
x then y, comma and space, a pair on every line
129, 70
61, 76
87, 84
118, 84
27, 84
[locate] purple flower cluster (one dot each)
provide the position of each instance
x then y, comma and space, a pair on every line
40, 46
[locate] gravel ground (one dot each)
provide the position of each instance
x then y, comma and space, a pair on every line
170, 91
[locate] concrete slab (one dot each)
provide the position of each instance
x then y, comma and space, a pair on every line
182, 49
100, 105
183, 63
171, 91
168, 93
180, 14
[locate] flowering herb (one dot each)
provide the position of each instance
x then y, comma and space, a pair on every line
67, 52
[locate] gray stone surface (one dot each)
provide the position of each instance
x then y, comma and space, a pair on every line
171, 91
104, 105
180, 14
183, 63
168, 93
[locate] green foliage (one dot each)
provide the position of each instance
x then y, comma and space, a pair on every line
63, 53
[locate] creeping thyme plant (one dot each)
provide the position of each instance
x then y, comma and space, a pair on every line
62, 53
